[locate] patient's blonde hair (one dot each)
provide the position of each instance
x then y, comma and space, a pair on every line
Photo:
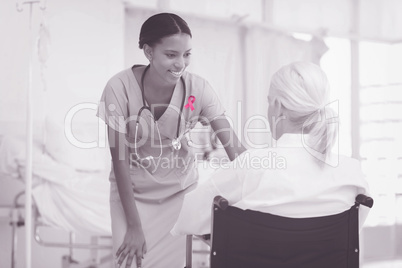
303, 89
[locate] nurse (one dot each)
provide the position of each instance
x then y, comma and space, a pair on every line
149, 111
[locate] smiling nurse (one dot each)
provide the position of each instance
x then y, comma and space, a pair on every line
148, 110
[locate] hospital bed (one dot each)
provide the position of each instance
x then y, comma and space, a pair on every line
70, 193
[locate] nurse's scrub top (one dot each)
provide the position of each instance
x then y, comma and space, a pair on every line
159, 185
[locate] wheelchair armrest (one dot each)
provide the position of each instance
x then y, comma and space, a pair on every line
364, 200
221, 202
206, 238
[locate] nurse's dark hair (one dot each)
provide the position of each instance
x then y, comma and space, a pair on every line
161, 25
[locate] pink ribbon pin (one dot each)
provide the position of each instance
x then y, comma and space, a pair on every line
191, 100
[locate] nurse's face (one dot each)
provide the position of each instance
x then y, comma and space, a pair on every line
170, 57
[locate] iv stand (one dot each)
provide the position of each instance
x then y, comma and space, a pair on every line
29, 138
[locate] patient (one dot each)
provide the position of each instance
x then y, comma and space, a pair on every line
298, 176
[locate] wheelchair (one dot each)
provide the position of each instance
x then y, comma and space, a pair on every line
247, 238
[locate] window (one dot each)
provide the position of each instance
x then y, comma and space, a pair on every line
380, 99
381, 129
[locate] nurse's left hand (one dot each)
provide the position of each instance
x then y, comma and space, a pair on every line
133, 245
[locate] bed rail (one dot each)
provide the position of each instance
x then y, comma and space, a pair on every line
68, 260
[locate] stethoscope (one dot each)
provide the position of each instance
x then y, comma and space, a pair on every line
176, 143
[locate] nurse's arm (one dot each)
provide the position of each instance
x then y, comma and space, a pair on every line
120, 160
227, 137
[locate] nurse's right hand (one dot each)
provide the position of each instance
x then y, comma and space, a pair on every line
133, 245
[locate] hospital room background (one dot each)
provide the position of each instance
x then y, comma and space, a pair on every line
57, 55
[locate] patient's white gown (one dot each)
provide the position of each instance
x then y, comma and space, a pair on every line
159, 186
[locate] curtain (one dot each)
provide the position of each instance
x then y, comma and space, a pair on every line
267, 50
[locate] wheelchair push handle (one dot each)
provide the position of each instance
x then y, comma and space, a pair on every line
221, 202
364, 200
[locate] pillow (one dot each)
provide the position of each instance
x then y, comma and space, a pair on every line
70, 146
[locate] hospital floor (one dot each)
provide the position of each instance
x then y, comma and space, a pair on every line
382, 264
